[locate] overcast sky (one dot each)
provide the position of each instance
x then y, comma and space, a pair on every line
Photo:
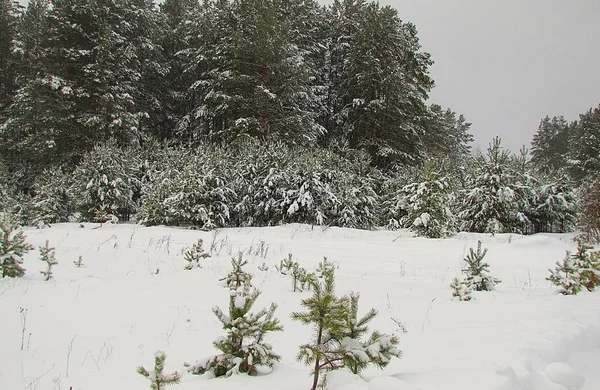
506, 64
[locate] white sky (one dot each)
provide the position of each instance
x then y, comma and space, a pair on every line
506, 64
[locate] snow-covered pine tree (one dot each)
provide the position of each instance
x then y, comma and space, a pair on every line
429, 204
477, 272
104, 184
525, 186
338, 331
201, 194
12, 247
584, 146
489, 204
326, 313
195, 254
384, 107
53, 201
158, 379
461, 290
577, 271
244, 348
556, 207
357, 354
9, 19
550, 144
47, 255
589, 218
564, 275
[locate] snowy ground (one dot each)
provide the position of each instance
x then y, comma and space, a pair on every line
89, 328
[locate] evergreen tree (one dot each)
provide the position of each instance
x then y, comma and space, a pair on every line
183, 21
428, 204
244, 348
550, 144
195, 254
477, 277
447, 136
338, 331
584, 146
556, 206
577, 271
252, 79
326, 313
53, 201
388, 82
158, 379
9, 20
461, 290
490, 203
357, 354
12, 247
47, 255
589, 218
104, 184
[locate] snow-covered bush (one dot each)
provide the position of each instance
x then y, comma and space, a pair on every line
338, 331
477, 272
53, 201
277, 184
12, 247
555, 207
104, 184
162, 166
243, 348
577, 271
158, 379
428, 205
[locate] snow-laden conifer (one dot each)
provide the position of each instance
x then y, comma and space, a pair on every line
12, 247
244, 348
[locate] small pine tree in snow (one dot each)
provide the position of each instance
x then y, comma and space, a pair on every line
339, 331
237, 277
577, 271
47, 256
356, 354
243, 348
477, 276
326, 312
79, 262
12, 247
461, 290
195, 254
428, 205
158, 379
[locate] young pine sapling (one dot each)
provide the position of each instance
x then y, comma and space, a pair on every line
476, 271
158, 379
47, 255
243, 348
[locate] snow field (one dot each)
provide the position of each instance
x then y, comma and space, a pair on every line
90, 327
